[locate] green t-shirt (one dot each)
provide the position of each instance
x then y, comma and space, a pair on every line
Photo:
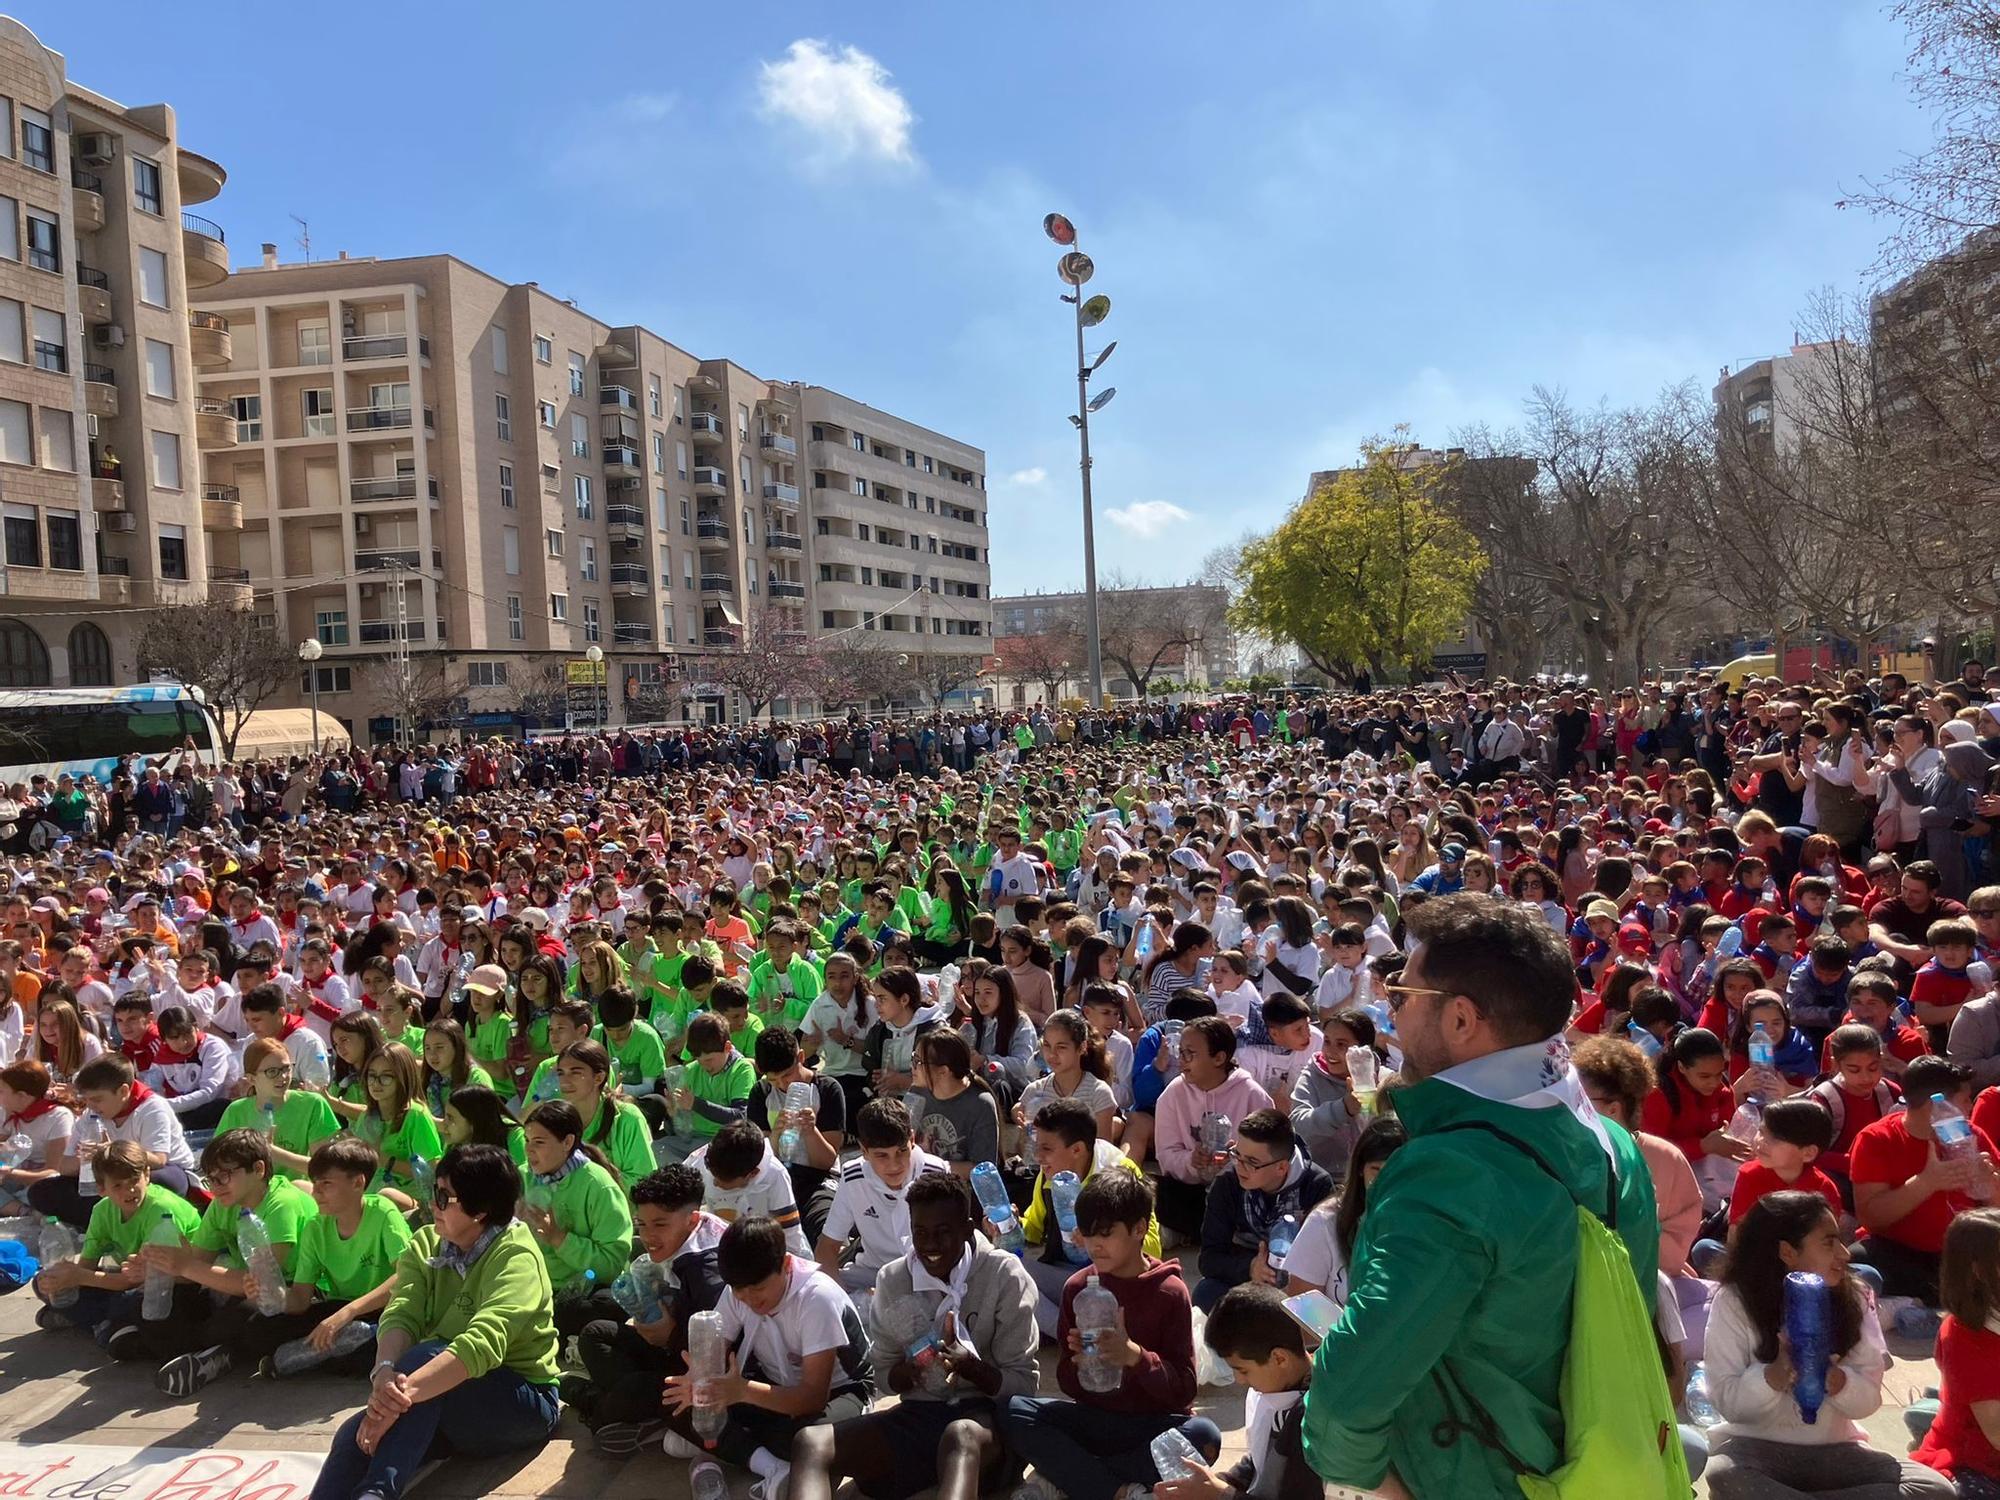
783, 997
285, 1211
303, 1121
348, 1268
438, 1089
416, 1134
731, 1087
111, 1233
489, 1040
640, 1058
630, 1143
661, 978
412, 1037
744, 1038
542, 1085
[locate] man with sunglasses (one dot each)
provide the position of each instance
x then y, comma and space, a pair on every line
1463, 1272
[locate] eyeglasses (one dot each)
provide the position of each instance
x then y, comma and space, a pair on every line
442, 1197
1250, 1161
276, 1075
1399, 994
374, 1077
1983, 911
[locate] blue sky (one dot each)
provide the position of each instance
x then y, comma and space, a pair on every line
1314, 220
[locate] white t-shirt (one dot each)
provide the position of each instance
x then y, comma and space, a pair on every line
768, 1193
1236, 1005
47, 1130
826, 1013
1316, 1256
1118, 1052
154, 1125
863, 1205
1095, 1093
1275, 1068
808, 1320
1019, 876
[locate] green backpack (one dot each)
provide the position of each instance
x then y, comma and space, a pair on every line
1620, 1435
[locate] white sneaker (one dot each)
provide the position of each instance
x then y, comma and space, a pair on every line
1035, 1487
675, 1446
773, 1488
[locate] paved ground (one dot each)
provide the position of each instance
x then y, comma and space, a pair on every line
57, 1393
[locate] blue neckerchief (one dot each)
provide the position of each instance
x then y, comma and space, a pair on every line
550, 1179
450, 1258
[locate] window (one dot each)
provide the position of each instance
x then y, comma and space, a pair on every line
667, 576
166, 448
17, 444
330, 680
677, 404
515, 630
553, 541
503, 419
909, 458
38, 140
44, 242
315, 343
592, 628
743, 471
742, 420
681, 460
687, 523
687, 570
928, 469
24, 660
868, 575
544, 350
89, 657
174, 552
863, 533
861, 487
506, 486
551, 479
860, 442
575, 373
749, 526
330, 625
13, 331
7, 129
653, 394
499, 350
146, 185
583, 503
23, 535
545, 413
10, 229
51, 341
587, 563
486, 673
510, 550
559, 608
58, 441
667, 621
318, 411
249, 418
579, 436
159, 369
659, 451
660, 509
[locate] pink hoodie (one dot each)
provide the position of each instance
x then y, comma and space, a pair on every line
1177, 1117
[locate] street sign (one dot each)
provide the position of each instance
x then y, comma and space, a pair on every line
585, 672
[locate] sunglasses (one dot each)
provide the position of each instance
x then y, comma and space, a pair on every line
442, 1197
1400, 994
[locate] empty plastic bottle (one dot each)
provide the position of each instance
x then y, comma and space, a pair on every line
267, 1121
800, 1098
88, 1129
1731, 944
708, 1358
59, 1243
1643, 1039
158, 1298
1364, 1076
671, 1083
638, 1289
1809, 1330
1172, 1455
1096, 1313
1700, 1408
423, 1181
1142, 945
1762, 1053
1278, 1245
15, 1150
253, 1243
992, 1191
1062, 1193
708, 1481
1956, 1142
314, 1072
911, 1327
1216, 1130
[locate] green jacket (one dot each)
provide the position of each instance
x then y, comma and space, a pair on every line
1466, 1259
591, 1206
498, 1313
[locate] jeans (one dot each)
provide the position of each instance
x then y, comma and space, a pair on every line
1905, 1272
98, 1312
494, 1413
1744, 1468
1049, 1281
1090, 1453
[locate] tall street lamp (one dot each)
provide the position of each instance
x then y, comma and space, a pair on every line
595, 656
1075, 268
310, 651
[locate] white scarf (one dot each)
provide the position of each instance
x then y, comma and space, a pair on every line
1537, 1076
951, 1291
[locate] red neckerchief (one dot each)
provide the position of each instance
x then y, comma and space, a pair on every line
34, 1111
140, 1094
292, 1023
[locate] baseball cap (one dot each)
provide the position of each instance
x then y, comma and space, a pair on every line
487, 979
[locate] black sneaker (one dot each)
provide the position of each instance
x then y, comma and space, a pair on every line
125, 1343
623, 1439
188, 1373
49, 1319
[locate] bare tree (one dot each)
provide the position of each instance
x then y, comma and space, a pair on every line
1143, 629
237, 662
536, 689
942, 673
776, 659
850, 670
1052, 655
1511, 603
418, 692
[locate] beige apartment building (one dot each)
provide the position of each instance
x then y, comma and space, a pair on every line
102, 509
433, 461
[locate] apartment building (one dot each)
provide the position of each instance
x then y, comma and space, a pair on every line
102, 510
436, 463
1183, 630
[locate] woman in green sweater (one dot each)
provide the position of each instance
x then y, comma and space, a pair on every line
577, 1210
583, 1081
467, 1348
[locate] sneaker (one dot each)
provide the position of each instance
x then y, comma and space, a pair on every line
187, 1373
675, 1446
1037, 1488
298, 1356
48, 1318
125, 1343
773, 1488
623, 1439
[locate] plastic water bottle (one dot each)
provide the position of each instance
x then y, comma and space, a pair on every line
1278, 1245
1142, 945
1643, 1039
1062, 1192
1216, 1130
423, 1181
157, 1301
253, 1243
267, 1121
1172, 1455
800, 1097
1809, 1328
1380, 1014
315, 1072
671, 1083
1700, 1408
1762, 1053
1364, 1076
1747, 1121
911, 1327
16, 1150
708, 1358
1731, 944
638, 1289
708, 1481
992, 1191
59, 1242
87, 1130
1096, 1312
1955, 1140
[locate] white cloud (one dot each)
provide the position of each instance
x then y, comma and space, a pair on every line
1027, 478
843, 101
1147, 519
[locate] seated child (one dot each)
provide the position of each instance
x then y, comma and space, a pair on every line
1872, 1002
120, 1109
1959, 1443
1855, 1097
1276, 1065
1267, 1351
575, 1207
1794, 1133
637, 1052
1269, 1177
868, 1199
29, 1108
1065, 1141
292, 1120
742, 1179
715, 1088
120, 1223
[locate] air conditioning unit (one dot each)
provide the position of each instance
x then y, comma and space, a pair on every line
108, 336
117, 520
97, 148
363, 525
368, 591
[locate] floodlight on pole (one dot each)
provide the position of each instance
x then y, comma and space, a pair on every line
310, 651
1075, 268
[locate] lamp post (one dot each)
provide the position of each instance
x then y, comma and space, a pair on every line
1075, 268
595, 656
310, 651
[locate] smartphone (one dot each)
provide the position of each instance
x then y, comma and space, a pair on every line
1313, 1311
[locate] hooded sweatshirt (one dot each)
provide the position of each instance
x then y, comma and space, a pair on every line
1178, 1116
1159, 1320
1320, 1118
996, 1315
1237, 1221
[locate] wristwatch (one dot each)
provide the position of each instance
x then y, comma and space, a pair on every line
380, 1366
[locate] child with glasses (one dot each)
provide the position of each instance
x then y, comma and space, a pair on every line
293, 1121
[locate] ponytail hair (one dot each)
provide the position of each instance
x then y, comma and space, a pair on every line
560, 1119
1684, 1051
1088, 1042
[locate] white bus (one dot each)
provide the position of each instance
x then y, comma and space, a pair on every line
84, 731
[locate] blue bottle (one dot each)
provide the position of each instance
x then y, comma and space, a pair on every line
992, 1191
1278, 1245
1809, 1329
1062, 1192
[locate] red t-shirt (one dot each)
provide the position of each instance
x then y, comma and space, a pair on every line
1969, 1372
1902, 1042
1690, 1122
1756, 1179
1886, 1152
1858, 1112
1986, 1112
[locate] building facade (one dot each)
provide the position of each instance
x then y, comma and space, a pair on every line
460, 486
1183, 631
103, 509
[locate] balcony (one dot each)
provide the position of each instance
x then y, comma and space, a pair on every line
200, 178
631, 633
784, 541
614, 351
361, 346
230, 586
621, 460
377, 418
387, 489
778, 445
209, 342
619, 397
214, 422
382, 632
629, 580
780, 588
399, 559
106, 494
100, 390
221, 508
204, 251
93, 294
720, 584
709, 480
718, 638
114, 580
712, 529
625, 523
87, 196
707, 427
783, 494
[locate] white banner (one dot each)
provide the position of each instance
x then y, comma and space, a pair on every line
78, 1471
